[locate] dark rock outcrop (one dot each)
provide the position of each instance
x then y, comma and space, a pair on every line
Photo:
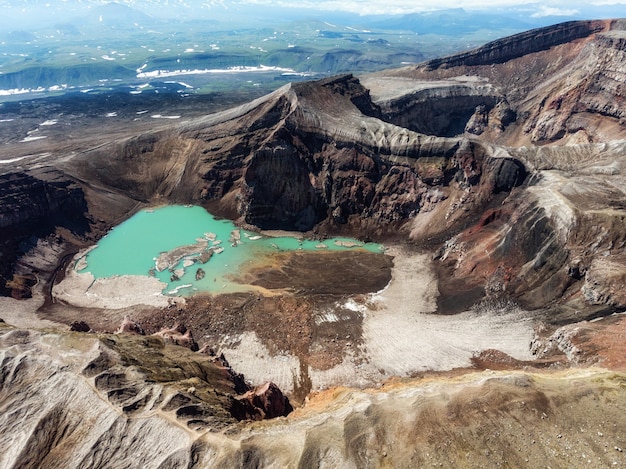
442, 110
129, 326
34, 204
79, 326
505, 173
41, 198
309, 154
265, 401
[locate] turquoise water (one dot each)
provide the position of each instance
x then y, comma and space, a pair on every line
134, 248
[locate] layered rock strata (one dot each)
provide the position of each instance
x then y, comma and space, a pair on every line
80, 400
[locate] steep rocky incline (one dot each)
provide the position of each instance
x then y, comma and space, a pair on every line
558, 239
563, 83
35, 204
82, 400
513, 47
86, 400
561, 86
309, 155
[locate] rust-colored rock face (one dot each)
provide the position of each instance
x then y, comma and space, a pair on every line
554, 97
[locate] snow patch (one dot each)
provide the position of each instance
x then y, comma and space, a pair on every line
236, 69
32, 139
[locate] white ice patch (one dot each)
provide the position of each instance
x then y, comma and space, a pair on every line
21, 91
237, 69
298, 74
354, 306
327, 316
15, 160
40, 89
189, 87
258, 365
32, 139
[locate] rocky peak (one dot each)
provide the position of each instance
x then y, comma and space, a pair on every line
348, 85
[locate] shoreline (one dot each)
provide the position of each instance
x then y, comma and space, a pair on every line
85, 291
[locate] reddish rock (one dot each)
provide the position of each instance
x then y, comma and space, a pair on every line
207, 350
266, 401
129, 326
179, 335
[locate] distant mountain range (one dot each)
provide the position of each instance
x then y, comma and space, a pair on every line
25, 13
84, 43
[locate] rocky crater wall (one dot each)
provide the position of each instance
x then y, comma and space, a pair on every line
35, 204
521, 44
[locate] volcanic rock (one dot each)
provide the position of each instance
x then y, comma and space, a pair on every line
98, 408
179, 335
348, 155
507, 160
32, 205
129, 326
79, 326
265, 401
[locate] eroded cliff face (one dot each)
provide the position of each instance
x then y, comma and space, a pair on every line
547, 96
117, 400
311, 155
560, 84
40, 203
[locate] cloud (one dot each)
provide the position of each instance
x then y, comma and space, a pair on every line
553, 11
393, 7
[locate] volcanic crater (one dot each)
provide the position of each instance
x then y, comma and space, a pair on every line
495, 179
